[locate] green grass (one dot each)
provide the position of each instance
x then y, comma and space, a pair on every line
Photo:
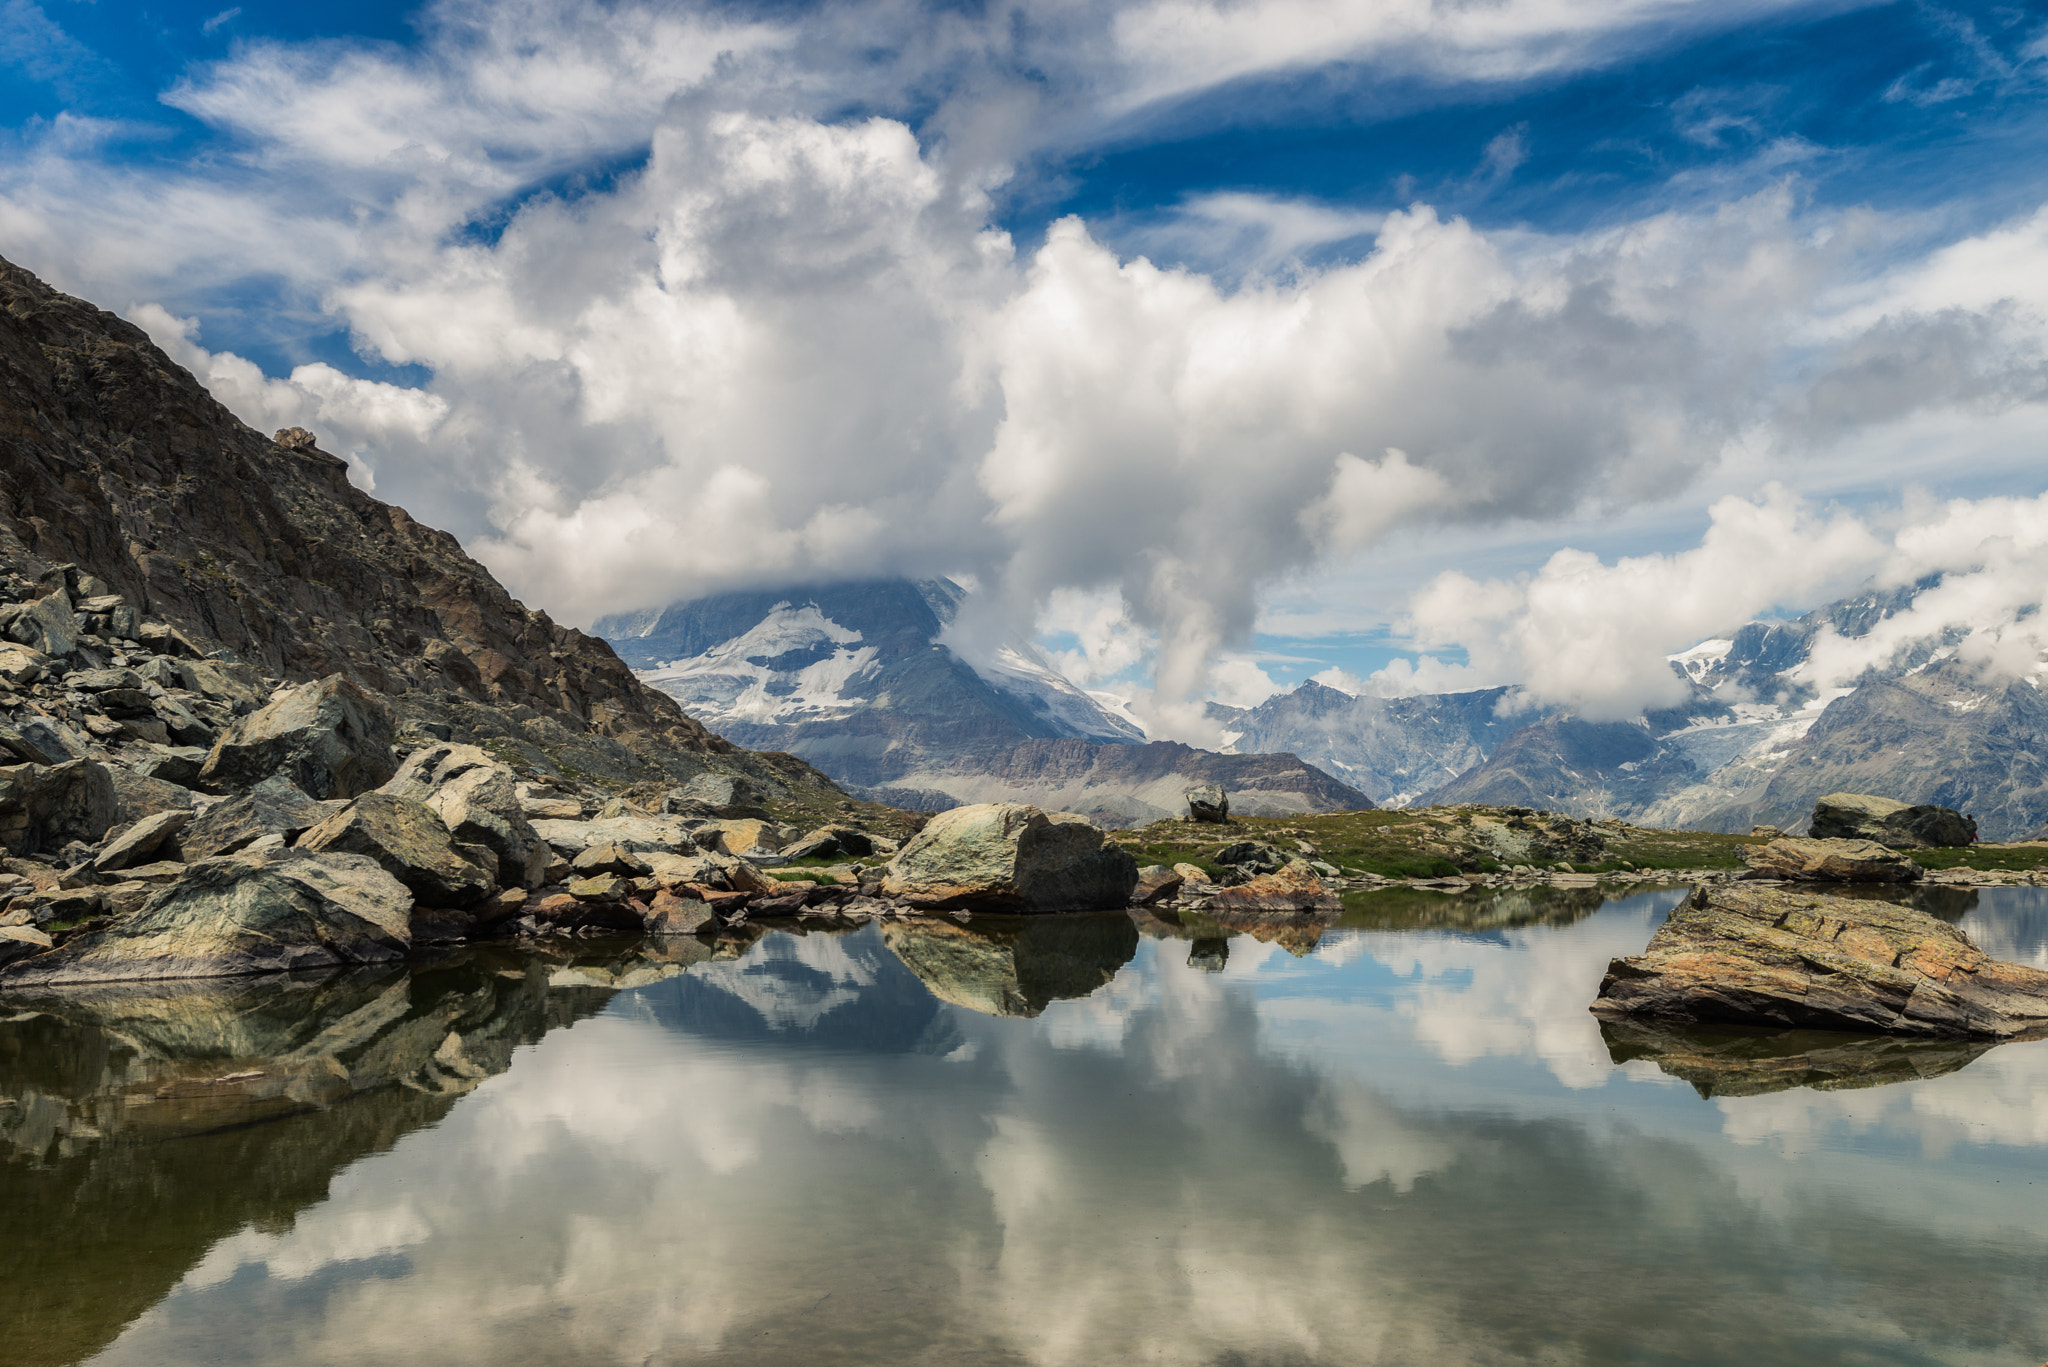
1980, 857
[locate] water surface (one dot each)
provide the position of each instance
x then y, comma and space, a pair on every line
1068, 1141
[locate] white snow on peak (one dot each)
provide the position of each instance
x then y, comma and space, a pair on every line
729, 683
1701, 659
1023, 669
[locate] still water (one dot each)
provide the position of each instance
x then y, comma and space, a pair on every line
1074, 1141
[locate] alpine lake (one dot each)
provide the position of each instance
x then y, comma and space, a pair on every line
1399, 1138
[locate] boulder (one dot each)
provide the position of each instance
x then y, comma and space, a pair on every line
45, 808
1829, 861
718, 790
47, 625
480, 807
639, 834
1004, 856
677, 911
240, 915
1793, 959
609, 857
407, 840
1193, 875
1294, 887
1860, 816
831, 842
330, 738
272, 807
1208, 803
21, 942
1156, 883
179, 764
142, 842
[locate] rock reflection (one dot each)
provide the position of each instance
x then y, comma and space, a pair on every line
1402, 909
139, 1123
1014, 965
1730, 1061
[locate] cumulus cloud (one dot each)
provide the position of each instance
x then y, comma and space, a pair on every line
772, 342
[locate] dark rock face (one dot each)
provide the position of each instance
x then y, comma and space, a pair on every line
1829, 861
1795, 960
235, 916
330, 738
1893, 824
45, 809
1006, 857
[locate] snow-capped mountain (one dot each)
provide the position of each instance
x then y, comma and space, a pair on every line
861, 680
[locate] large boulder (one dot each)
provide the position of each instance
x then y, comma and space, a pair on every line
640, 834
409, 841
1829, 861
1796, 959
1208, 803
329, 737
480, 802
45, 808
831, 842
47, 625
148, 840
1893, 824
240, 915
272, 807
1003, 856
1293, 887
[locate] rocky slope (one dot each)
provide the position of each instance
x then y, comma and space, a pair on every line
172, 514
859, 680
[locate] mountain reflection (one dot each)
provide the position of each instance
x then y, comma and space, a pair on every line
1055, 1141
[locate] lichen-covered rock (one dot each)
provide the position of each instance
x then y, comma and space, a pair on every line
480, 807
45, 808
240, 915
1829, 861
639, 834
409, 841
1003, 856
329, 737
1795, 959
1893, 824
1293, 887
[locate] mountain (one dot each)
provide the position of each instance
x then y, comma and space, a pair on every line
118, 468
1753, 743
860, 680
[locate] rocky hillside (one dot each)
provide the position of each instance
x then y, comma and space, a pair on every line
126, 486
859, 679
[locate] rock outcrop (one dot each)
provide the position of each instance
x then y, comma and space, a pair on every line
1829, 861
1007, 857
1893, 824
1741, 955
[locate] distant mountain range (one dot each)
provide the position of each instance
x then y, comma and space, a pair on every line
858, 679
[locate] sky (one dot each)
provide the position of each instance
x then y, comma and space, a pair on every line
1218, 343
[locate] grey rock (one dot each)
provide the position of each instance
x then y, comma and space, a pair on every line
831, 842
330, 738
409, 841
719, 790
1156, 883
1208, 803
1004, 856
179, 764
1796, 959
46, 808
101, 680
480, 807
1893, 824
1829, 861
21, 942
47, 625
609, 857
234, 916
639, 834
272, 807
38, 740
142, 842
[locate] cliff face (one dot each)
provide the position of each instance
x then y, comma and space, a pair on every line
115, 460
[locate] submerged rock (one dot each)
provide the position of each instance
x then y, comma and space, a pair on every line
329, 737
1829, 861
1768, 956
240, 915
1003, 856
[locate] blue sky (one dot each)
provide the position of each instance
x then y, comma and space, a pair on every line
867, 283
